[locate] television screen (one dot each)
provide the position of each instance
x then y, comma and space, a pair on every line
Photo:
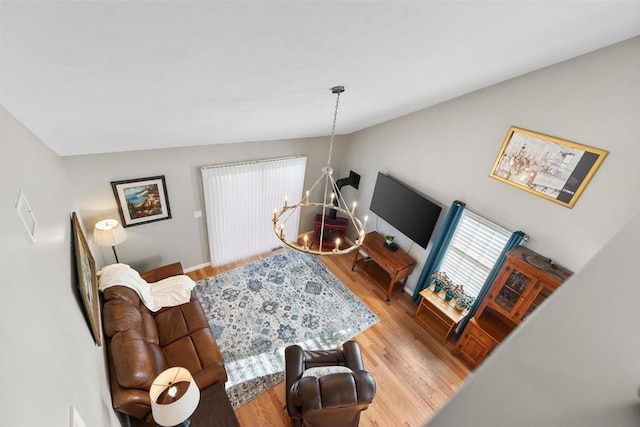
405, 209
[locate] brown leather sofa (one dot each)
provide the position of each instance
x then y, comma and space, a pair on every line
141, 344
332, 400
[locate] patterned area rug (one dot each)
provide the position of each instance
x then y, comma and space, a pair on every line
257, 310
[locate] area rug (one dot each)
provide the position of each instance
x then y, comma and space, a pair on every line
256, 311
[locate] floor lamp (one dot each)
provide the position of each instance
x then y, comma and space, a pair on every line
109, 232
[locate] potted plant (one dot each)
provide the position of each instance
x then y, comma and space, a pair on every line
388, 238
441, 281
464, 302
453, 291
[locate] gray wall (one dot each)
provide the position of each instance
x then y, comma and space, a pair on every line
183, 237
575, 362
448, 150
48, 357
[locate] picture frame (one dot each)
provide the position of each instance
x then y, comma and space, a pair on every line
142, 200
87, 279
549, 167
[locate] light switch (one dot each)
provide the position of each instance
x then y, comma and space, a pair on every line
197, 214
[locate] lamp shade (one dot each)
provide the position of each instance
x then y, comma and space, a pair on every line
179, 406
109, 232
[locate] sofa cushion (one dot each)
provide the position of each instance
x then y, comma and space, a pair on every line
175, 323
137, 361
150, 329
123, 293
183, 353
172, 325
119, 315
207, 348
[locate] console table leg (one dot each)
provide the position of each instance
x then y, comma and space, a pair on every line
390, 290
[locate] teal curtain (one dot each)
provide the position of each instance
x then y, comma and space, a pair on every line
513, 242
439, 248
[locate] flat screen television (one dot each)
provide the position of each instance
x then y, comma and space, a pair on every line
405, 209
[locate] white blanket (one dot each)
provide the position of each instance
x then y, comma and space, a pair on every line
172, 291
169, 292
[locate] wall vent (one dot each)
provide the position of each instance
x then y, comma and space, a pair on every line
28, 218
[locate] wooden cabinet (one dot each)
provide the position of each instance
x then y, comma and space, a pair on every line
475, 344
333, 228
525, 281
509, 297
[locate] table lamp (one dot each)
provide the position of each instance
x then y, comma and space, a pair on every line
174, 397
109, 232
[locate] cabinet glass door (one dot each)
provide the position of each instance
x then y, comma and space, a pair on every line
512, 292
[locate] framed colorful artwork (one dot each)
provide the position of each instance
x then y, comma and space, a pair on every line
142, 200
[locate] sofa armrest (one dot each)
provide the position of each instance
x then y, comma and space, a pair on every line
163, 272
352, 356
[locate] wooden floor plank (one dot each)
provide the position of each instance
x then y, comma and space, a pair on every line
415, 373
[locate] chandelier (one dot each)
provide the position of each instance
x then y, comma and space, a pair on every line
331, 203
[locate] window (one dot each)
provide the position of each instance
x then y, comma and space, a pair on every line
473, 251
239, 199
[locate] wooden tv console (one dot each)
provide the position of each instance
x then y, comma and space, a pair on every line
381, 264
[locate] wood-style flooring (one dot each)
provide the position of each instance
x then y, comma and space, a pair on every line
415, 373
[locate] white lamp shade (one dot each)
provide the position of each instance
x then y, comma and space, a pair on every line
109, 232
180, 410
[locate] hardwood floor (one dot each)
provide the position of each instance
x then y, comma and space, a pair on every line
415, 374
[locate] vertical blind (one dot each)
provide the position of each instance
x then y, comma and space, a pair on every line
473, 250
239, 199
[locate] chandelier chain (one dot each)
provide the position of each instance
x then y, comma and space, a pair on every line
333, 130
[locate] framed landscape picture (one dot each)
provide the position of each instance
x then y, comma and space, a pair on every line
142, 200
546, 166
87, 280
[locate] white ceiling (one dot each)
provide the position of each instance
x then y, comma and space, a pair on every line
98, 76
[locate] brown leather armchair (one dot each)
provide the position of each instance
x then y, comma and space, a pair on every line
332, 400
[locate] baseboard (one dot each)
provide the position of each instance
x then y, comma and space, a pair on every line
196, 267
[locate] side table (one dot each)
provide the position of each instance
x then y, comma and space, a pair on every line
439, 316
397, 265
